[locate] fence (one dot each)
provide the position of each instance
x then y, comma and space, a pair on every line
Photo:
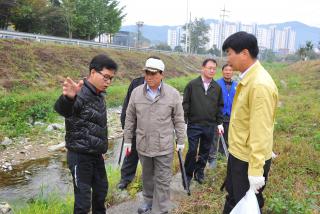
42, 38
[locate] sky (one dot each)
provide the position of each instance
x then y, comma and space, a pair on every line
174, 12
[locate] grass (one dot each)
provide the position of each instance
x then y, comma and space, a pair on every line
294, 179
20, 108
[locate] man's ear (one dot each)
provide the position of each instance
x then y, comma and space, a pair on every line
246, 52
92, 71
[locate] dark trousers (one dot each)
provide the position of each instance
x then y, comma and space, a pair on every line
130, 163
89, 181
237, 183
202, 135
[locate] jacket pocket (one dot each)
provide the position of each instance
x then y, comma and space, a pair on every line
241, 131
141, 142
153, 140
166, 142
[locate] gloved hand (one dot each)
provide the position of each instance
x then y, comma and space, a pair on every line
180, 146
127, 148
273, 155
220, 129
256, 183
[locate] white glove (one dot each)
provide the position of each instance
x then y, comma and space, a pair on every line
220, 129
273, 155
256, 182
180, 146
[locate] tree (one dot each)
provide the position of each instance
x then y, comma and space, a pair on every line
306, 52
302, 53
198, 35
163, 47
178, 49
69, 14
90, 18
28, 15
6, 7
214, 51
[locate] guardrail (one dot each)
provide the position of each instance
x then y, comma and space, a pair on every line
42, 38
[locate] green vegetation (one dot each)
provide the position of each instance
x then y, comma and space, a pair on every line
85, 19
294, 181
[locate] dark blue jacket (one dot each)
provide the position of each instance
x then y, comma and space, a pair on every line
227, 96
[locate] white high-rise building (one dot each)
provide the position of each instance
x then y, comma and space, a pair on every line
214, 35
281, 41
174, 37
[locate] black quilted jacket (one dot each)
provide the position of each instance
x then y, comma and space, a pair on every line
86, 120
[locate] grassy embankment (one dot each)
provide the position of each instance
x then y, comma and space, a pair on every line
294, 181
31, 74
293, 186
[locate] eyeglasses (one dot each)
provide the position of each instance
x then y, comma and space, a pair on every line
211, 68
105, 77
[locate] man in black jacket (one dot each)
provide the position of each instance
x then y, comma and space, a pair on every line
83, 106
130, 162
202, 105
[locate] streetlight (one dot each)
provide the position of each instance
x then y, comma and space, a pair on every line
139, 25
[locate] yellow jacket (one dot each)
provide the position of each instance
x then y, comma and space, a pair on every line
252, 119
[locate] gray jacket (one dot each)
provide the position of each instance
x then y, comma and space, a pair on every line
156, 121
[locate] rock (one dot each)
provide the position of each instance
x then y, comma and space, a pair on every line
23, 141
5, 208
7, 141
56, 147
7, 166
54, 126
27, 172
38, 123
283, 83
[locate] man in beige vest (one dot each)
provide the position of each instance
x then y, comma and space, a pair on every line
155, 113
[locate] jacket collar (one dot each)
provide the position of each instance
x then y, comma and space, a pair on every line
91, 87
161, 87
250, 73
200, 82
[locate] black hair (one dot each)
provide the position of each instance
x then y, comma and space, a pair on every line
204, 63
225, 65
102, 61
240, 41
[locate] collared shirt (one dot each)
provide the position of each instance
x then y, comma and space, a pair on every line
151, 93
206, 83
246, 71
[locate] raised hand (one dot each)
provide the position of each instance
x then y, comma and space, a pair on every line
70, 88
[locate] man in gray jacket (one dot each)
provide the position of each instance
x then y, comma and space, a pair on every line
155, 112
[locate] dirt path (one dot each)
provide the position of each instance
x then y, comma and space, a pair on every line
176, 194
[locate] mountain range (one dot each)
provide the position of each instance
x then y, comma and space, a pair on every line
158, 34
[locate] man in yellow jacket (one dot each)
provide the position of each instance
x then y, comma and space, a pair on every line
251, 123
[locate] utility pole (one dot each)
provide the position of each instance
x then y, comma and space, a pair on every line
187, 30
223, 15
139, 25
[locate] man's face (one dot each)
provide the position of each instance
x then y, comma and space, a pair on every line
153, 79
209, 70
102, 79
234, 59
227, 72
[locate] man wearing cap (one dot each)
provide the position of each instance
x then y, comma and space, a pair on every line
155, 114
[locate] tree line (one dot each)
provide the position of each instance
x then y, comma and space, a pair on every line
81, 19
